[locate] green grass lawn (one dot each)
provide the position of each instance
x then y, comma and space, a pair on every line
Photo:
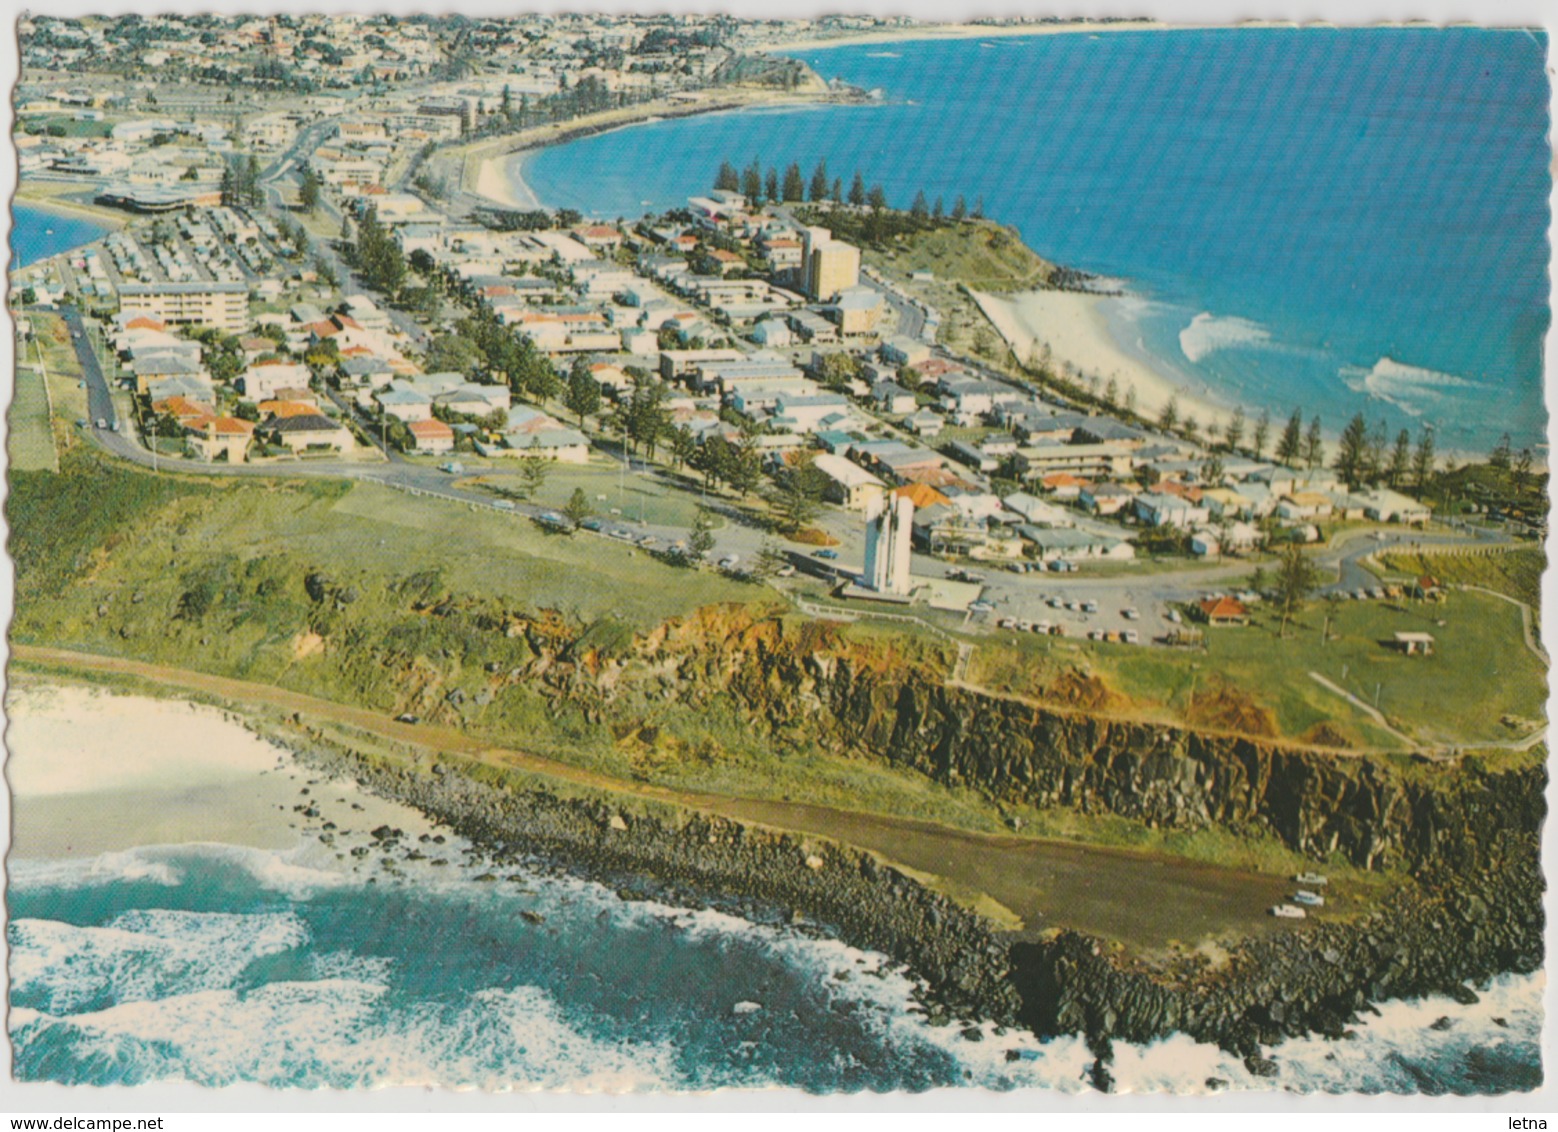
1517, 573
71, 126
1481, 670
579, 574
611, 494
31, 442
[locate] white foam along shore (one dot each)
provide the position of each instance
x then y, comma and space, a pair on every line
1074, 327
95, 772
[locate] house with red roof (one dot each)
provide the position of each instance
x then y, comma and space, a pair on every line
1223, 611
221, 438
431, 436
185, 410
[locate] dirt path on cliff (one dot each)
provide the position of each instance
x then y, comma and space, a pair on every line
1141, 899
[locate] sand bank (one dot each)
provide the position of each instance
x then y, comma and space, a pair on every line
1075, 328
95, 772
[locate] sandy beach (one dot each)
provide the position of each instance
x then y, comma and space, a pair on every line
1074, 327
491, 167
95, 772
502, 179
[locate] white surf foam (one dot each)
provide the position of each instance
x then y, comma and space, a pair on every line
142, 955
1412, 389
343, 1033
107, 868
1208, 332
1399, 1051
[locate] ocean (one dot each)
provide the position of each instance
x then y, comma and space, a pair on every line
38, 233
220, 964
1342, 220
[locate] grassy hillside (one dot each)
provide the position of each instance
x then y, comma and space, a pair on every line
980, 254
1517, 573
1251, 680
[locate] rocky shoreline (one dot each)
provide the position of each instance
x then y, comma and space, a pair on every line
961, 964
1455, 928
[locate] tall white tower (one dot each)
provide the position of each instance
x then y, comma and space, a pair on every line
889, 542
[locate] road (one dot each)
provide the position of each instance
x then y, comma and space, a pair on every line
736, 537
1041, 883
1025, 597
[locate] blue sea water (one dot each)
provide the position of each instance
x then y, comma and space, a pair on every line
1340, 220
217, 964
37, 234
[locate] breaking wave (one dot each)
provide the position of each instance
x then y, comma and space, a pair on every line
1412, 389
1208, 333
286, 980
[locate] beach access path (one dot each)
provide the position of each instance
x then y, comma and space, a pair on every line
1142, 899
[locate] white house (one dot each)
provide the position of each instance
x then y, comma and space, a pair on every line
849, 485
404, 403
1161, 510
1386, 506
261, 382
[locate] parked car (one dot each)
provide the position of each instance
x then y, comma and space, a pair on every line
1130, 614
825, 553
592, 524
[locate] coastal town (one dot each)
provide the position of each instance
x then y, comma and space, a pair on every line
786, 502
288, 289
767, 383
